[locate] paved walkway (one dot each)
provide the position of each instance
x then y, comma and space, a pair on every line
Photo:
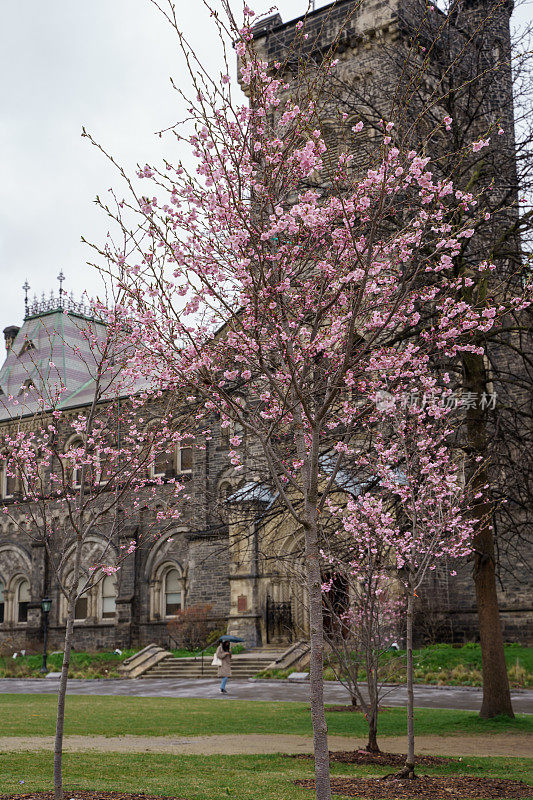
425, 696
461, 746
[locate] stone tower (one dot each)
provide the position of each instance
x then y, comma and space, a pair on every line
408, 62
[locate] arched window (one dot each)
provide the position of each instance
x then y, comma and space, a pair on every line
173, 593
109, 595
23, 598
2, 602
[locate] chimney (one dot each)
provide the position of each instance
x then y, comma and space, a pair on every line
10, 334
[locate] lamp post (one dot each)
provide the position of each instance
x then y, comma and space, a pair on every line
46, 605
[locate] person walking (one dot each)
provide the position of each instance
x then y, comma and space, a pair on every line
223, 653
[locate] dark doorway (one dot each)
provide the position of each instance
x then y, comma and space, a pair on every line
279, 626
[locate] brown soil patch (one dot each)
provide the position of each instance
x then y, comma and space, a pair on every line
500, 744
386, 759
427, 787
80, 794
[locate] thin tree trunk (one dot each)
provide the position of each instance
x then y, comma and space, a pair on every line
373, 746
372, 716
410, 761
496, 692
408, 771
61, 697
316, 670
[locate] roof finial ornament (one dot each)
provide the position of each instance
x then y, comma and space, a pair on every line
61, 278
26, 288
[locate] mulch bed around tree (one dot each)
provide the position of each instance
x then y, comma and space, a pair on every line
92, 794
385, 759
426, 787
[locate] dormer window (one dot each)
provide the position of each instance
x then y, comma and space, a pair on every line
28, 345
27, 386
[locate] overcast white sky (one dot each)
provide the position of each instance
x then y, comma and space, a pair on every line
65, 64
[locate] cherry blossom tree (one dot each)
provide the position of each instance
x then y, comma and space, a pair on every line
465, 80
83, 467
362, 624
262, 294
418, 507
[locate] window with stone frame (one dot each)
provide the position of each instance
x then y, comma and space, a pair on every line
81, 609
74, 469
332, 136
109, 596
164, 464
230, 429
167, 463
173, 593
8, 483
109, 462
2, 601
184, 458
224, 491
23, 597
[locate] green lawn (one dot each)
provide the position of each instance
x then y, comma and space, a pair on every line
461, 666
444, 665
103, 664
206, 777
439, 664
82, 665
24, 715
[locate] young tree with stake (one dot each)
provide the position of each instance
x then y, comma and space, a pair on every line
365, 623
416, 507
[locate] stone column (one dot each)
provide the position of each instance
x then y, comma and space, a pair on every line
245, 612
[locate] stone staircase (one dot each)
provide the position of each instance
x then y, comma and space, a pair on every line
137, 664
243, 665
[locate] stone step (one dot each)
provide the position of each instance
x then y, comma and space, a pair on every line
182, 671
242, 666
180, 668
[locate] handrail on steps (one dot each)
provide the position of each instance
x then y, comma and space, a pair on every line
201, 653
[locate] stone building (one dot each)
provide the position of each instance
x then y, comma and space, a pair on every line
228, 549
185, 565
